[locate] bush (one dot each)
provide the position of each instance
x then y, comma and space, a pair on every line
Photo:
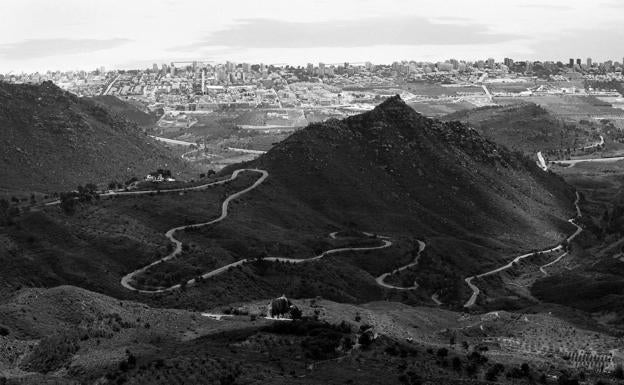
51, 353
493, 372
457, 364
322, 345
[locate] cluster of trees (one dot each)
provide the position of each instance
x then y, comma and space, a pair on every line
51, 353
207, 174
165, 173
82, 194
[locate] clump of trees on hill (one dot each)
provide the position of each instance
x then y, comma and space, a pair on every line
51, 353
82, 194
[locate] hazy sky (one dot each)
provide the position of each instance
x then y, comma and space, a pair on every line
84, 34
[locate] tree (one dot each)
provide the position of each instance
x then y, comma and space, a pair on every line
68, 203
457, 364
295, 313
493, 372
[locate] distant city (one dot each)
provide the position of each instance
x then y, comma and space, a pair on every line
206, 86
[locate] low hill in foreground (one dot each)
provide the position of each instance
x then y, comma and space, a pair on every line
51, 140
67, 335
525, 127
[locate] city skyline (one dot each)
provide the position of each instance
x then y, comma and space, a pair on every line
70, 34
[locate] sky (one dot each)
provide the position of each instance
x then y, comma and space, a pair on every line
41, 35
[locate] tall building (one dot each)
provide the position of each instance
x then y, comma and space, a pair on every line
490, 62
321, 69
203, 81
155, 67
578, 62
589, 62
571, 63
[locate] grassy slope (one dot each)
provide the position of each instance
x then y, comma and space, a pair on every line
525, 127
126, 110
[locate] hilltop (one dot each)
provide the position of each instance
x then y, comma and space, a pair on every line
525, 127
51, 140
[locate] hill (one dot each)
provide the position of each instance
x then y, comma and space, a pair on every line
126, 110
51, 140
394, 170
67, 335
390, 171
525, 127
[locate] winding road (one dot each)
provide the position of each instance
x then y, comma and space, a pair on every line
475, 290
126, 281
543, 267
541, 162
381, 279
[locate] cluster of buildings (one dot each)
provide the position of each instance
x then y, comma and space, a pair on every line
205, 86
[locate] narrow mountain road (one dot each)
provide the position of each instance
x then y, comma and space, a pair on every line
381, 279
125, 281
475, 290
573, 162
543, 267
170, 234
541, 162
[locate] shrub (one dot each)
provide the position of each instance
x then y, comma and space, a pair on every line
457, 364
51, 353
493, 372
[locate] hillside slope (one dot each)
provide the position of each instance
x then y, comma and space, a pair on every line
394, 172
525, 127
126, 110
51, 140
